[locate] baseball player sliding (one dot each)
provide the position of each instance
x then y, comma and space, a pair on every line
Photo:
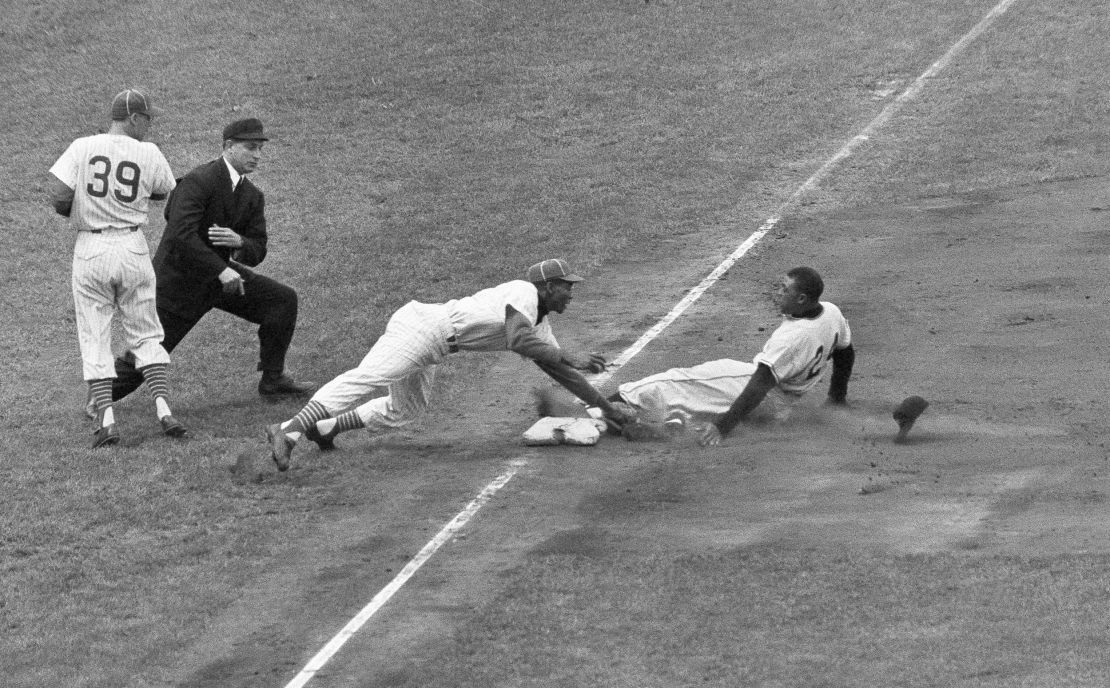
792, 362
511, 316
103, 184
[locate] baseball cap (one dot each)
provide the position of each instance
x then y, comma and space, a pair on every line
552, 268
132, 102
249, 129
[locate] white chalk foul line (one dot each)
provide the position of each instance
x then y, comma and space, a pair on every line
808, 185
379, 600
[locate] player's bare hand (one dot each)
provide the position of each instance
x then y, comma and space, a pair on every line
591, 362
709, 436
597, 363
224, 236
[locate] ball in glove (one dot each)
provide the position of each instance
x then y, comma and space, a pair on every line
620, 416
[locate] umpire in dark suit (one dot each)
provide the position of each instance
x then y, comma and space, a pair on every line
215, 233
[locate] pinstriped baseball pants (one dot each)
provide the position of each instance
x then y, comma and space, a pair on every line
701, 391
403, 361
112, 273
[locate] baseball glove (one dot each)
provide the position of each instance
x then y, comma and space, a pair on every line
640, 431
620, 416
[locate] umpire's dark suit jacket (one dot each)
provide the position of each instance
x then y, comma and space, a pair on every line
187, 267
186, 263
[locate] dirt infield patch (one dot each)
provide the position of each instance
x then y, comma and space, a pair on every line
1003, 474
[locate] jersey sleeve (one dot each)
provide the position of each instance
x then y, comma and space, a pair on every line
784, 355
65, 168
524, 298
845, 335
162, 181
544, 332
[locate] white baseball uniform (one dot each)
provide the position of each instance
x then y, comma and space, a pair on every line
797, 353
416, 339
113, 177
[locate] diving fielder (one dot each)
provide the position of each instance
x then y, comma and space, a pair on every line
511, 316
792, 362
103, 184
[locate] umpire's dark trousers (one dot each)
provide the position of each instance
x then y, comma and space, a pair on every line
267, 303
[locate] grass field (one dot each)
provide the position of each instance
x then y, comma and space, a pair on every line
424, 150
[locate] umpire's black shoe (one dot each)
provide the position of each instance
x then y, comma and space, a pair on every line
283, 386
326, 442
106, 435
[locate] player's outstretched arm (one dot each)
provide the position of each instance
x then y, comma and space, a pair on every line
762, 382
521, 338
574, 382
843, 360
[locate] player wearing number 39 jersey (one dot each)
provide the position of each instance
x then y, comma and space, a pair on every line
813, 334
103, 184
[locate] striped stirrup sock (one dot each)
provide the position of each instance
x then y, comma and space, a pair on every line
101, 392
156, 380
306, 417
349, 420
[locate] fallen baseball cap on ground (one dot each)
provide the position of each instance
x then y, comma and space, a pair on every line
245, 130
132, 102
552, 268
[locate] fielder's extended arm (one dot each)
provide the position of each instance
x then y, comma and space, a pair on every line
574, 382
521, 338
558, 364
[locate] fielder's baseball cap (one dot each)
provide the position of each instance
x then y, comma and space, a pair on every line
132, 102
245, 130
552, 268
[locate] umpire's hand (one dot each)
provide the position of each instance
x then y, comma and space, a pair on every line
224, 236
232, 282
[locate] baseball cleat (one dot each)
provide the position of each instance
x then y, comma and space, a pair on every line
325, 441
171, 427
907, 414
106, 435
281, 447
674, 427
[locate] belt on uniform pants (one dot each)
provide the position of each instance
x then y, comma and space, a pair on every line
453, 344
101, 231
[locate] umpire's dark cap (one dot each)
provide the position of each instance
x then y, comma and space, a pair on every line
132, 102
552, 268
249, 129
